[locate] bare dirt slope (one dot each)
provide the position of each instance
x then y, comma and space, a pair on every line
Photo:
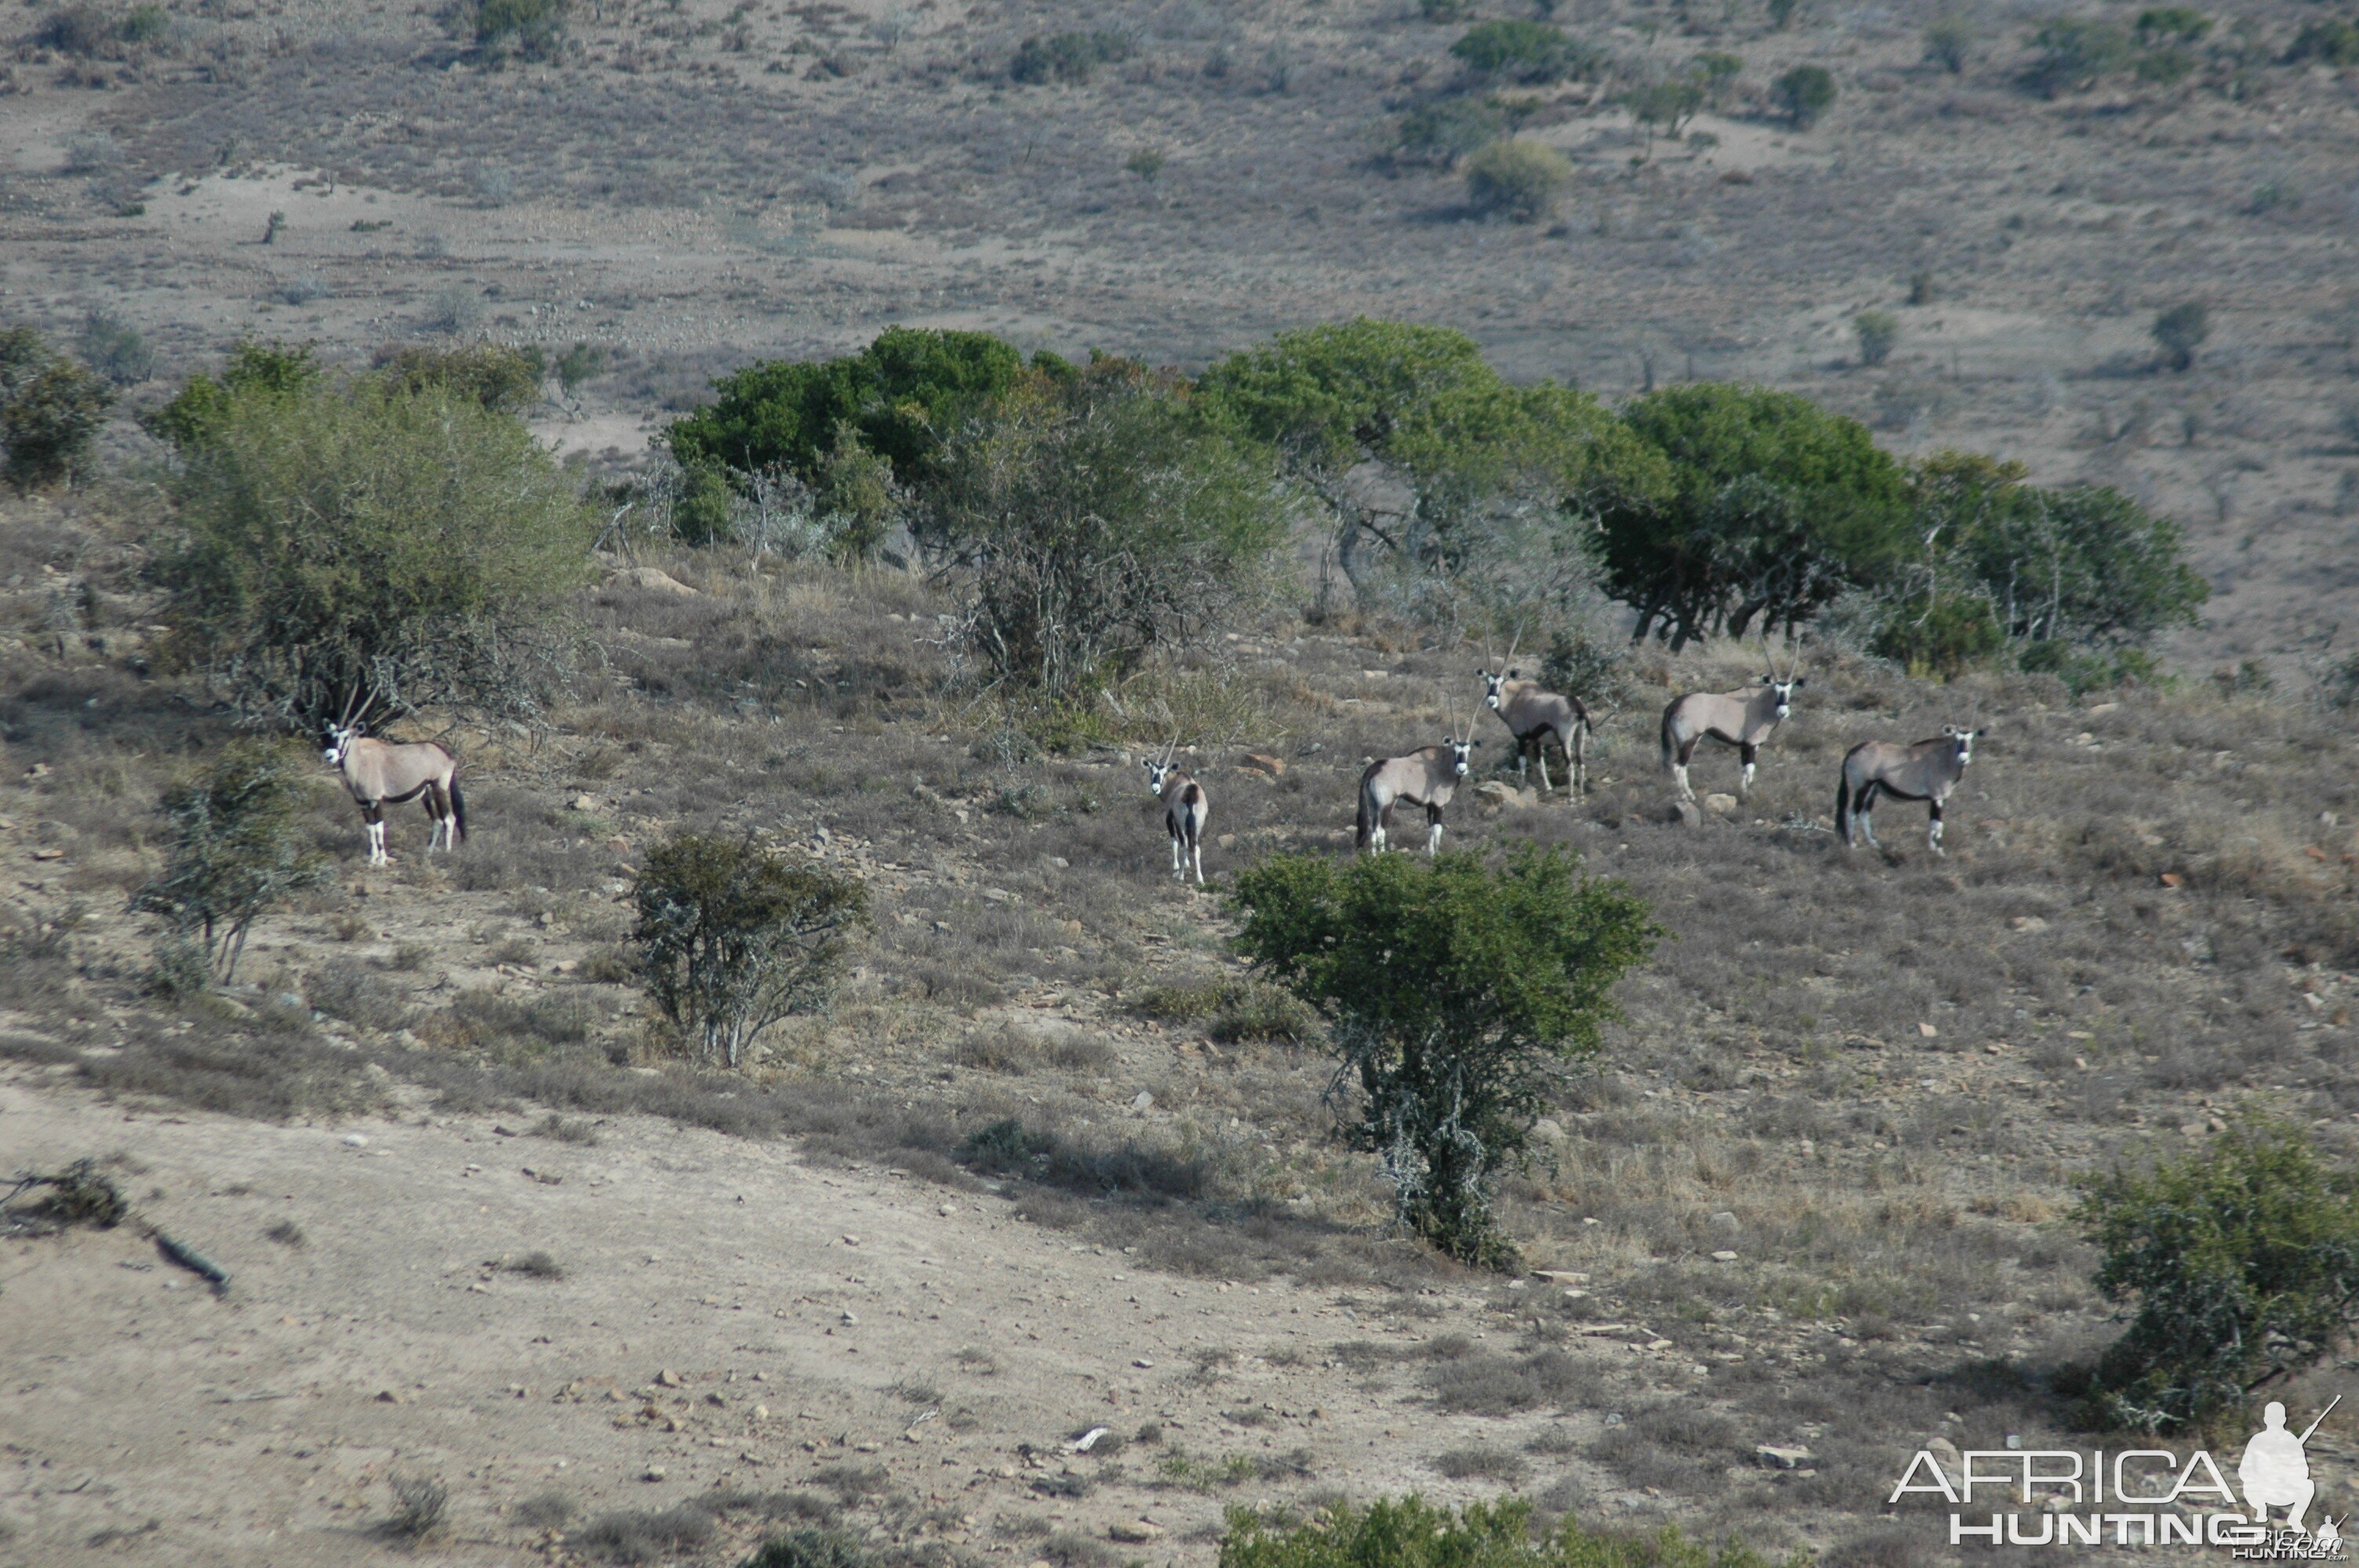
728, 1317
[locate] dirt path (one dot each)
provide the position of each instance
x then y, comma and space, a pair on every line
727, 1316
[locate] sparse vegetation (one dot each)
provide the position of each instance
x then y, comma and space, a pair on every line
236, 851
1531, 52
1519, 179
1877, 330
1070, 58
1411, 1533
1805, 92
51, 407
735, 937
420, 1505
1454, 990
1948, 42
2180, 331
114, 348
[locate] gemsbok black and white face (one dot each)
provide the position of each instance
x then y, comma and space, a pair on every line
1156, 774
1492, 681
1461, 755
1783, 691
1966, 741
340, 740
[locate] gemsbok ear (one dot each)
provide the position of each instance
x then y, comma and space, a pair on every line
1801, 681
1515, 675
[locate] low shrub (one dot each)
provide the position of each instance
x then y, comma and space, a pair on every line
1521, 179
1412, 1533
1072, 58
1804, 93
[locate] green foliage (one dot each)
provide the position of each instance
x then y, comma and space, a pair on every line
89, 31
733, 937
2077, 52
2172, 24
1805, 92
1071, 58
1939, 633
1716, 70
1781, 13
903, 394
1146, 163
1522, 179
236, 849
1411, 1533
144, 25
1776, 506
534, 29
1447, 130
810, 1549
2328, 40
1948, 41
2337, 684
1090, 521
413, 547
1665, 105
704, 505
1597, 673
2242, 1262
858, 500
1455, 988
1877, 330
582, 361
1443, 10
1528, 52
257, 371
503, 380
2084, 671
2180, 331
114, 347
51, 407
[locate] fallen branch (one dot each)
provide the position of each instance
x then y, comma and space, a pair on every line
189, 1258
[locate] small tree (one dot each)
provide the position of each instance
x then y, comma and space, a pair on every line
2181, 330
1526, 51
1522, 179
51, 407
1456, 989
1409, 1532
733, 937
1877, 330
2242, 1262
238, 848
114, 347
504, 380
1805, 92
412, 547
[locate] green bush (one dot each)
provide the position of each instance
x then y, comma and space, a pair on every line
2172, 25
1781, 13
1877, 330
408, 547
1528, 52
2076, 52
2328, 40
2338, 686
733, 937
903, 394
51, 408
1597, 673
1775, 507
1938, 633
532, 28
705, 507
810, 1549
257, 371
114, 347
235, 849
1455, 990
2241, 1263
1665, 105
1804, 92
1716, 70
858, 500
1071, 58
582, 361
2180, 331
1522, 179
1449, 130
1090, 521
503, 380
1412, 1533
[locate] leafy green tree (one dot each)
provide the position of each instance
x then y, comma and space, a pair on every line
409, 546
2241, 1263
903, 394
1775, 507
1456, 989
1716, 70
1089, 520
533, 29
1665, 106
257, 371
1521, 179
582, 361
504, 380
1805, 92
2085, 565
236, 850
1409, 1532
51, 408
1525, 51
1877, 330
734, 938
858, 500
2181, 330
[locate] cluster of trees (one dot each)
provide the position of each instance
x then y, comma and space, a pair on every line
1094, 513
51, 408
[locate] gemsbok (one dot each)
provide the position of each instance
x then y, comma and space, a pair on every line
1535, 716
378, 772
1186, 809
1927, 770
1744, 719
1427, 778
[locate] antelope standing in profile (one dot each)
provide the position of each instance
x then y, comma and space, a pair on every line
1536, 716
1427, 778
1744, 719
1927, 770
1186, 809
377, 772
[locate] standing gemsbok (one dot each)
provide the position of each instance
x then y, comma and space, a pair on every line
1427, 778
378, 771
1927, 770
1535, 716
1186, 809
1744, 719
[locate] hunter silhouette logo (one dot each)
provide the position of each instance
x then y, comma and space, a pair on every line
2136, 1497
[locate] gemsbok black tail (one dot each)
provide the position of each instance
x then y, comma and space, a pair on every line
1843, 803
458, 811
1367, 820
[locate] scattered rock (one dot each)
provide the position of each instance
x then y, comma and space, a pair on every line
1263, 763
1725, 1222
1142, 1101
1928, 1030
850, 1321
355, 1140
1547, 1129
1087, 1440
653, 1473
654, 580
1499, 795
1724, 1256
1561, 1276
1684, 814
49, 854
1720, 804
582, 803
1142, 1362
1777, 1458
387, 1397
1134, 1530
1945, 1454
2026, 922
668, 1379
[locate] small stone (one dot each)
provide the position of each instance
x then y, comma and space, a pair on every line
582, 803
1261, 762
1142, 1362
1726, 1221
1724, 1256
1142, 1101
761, 1413
655, 580
1497, 795
1135, 1531
848, 1320
355, 1140
1777, 1458
653, 1473
387, 1397
1720, 804
2028, 923
668, 1379
850, 1241
1547, 1129
1928, 1030
1684, 814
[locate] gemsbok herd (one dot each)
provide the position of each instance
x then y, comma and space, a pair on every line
378, 772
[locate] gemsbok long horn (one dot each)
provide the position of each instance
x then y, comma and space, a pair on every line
1744, 719
1186, 809
378, 772
1536, 716
1428, 776
1927, 770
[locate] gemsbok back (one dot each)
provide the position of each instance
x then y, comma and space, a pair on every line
1744, 719
1535, 716
1427, 778
1927, 770
1186, 809
378, 771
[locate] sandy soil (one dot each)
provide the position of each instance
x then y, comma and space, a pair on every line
729, 1316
